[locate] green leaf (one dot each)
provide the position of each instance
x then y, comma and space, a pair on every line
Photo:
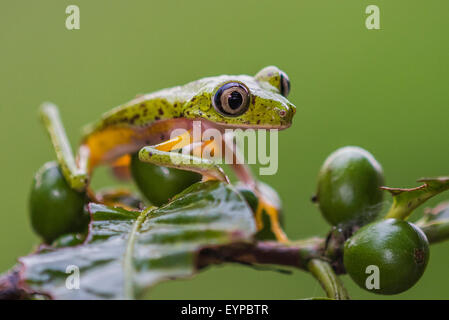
127, 252
407, 200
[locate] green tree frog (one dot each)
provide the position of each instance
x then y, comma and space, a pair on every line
145, 124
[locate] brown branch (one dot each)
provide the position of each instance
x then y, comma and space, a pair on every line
295, 254
308, 255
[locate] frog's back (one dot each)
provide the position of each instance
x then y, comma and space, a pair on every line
160, 105
142, 110
132, 125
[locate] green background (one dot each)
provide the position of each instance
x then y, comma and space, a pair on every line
384, 90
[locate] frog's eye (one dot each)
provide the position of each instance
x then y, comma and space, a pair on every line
232, 99
284, 85
275, 77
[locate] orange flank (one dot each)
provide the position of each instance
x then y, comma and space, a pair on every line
112, 142
121, 167
123, 161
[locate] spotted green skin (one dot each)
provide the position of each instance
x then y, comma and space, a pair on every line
268, 108
349, 187
398, 248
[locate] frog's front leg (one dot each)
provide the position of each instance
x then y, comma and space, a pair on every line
75, 172
163, 155
243, 172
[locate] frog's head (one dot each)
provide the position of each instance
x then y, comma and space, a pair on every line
243, 101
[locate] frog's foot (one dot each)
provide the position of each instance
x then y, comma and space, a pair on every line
164, 155
273, 214
75, 171
117, 197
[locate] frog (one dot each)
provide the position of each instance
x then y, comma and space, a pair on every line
146, 123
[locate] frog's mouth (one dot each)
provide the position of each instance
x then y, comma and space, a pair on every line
223, 126
282, 120
253, 126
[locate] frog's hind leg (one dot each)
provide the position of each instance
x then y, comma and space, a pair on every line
243, 172
163, 155
273, 214
121, 167
74, 171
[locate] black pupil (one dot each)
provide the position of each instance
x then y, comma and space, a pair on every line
235, 100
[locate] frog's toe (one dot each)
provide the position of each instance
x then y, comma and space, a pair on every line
273, 214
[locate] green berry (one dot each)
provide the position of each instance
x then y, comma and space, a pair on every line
348, 187
158, 184
398, 249
55, 208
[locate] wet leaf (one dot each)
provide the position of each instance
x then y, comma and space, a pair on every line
127, 252
407, 200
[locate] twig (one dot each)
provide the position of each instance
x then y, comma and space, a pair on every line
323, 272
295, 254
307, 255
